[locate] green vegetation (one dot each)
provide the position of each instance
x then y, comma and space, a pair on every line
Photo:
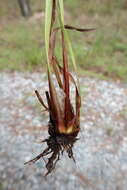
21, 47
102, 52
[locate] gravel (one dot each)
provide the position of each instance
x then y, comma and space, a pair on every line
100, 152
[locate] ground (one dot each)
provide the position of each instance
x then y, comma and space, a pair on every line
100, 152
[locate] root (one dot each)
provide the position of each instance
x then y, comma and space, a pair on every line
55, 146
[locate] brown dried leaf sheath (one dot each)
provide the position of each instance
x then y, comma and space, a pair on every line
64, 122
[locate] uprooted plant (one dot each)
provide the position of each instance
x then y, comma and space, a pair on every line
64, 118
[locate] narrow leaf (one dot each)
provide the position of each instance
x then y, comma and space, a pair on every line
40, 99
78, 29
48, 14
55, 102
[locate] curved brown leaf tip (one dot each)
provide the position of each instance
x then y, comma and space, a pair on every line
78, 29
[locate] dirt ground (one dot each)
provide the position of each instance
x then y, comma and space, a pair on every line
100, 152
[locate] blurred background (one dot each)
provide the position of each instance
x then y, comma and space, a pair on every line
102, 52
101, 151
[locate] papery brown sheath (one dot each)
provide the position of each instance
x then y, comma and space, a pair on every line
64, 118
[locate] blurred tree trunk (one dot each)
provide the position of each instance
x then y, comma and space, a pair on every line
25, 7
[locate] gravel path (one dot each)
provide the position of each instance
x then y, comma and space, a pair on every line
101, 152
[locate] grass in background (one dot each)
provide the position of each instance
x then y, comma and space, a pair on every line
21, 47
101, 53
